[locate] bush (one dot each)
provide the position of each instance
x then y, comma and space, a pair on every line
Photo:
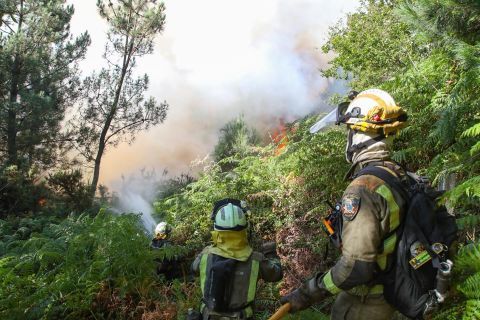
21, 191
76, 268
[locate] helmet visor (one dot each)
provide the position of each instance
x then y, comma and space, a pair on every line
342, 115
326, 121
336, 116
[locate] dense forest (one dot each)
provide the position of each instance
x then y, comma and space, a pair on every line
64, 253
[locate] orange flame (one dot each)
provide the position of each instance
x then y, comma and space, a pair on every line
42, 202
280, 137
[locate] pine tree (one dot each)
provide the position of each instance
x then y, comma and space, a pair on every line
38, 78
113, 107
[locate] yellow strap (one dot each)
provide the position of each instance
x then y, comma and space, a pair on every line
329, 285
252, 286
203, 271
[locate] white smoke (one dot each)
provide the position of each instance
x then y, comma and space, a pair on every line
136, 194
215, 60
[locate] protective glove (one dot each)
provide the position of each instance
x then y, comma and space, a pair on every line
309, 293
298, 300
269, 249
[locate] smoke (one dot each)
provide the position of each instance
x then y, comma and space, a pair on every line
136, 194
218, 59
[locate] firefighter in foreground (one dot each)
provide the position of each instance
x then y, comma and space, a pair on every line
371, 213
229, 269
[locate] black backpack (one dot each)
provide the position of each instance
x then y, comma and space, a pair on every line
423, 241
218, 288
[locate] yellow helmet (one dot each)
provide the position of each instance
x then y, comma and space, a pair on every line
373, 111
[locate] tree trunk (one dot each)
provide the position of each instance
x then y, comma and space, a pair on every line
12, 108
111, 115
12, 118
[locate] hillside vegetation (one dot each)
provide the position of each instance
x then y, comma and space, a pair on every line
64, 259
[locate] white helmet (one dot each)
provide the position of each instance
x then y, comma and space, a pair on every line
229, 214
162, 230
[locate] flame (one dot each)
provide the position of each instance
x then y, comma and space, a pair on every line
280, 136
42, 202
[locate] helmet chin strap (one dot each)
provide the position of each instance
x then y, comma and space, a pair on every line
359, 146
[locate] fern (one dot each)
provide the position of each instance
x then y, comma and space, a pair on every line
473, 131
472, 310
452, 313
171, 252
471, 287
475, 148
469, 257
469, 221
469, 188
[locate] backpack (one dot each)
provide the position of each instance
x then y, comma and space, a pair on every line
411, 282
217, 294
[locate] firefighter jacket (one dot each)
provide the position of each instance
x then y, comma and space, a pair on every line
371, 212
172, 267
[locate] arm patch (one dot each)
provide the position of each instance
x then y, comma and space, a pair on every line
350, 206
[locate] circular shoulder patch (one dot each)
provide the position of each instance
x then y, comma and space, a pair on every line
350, 206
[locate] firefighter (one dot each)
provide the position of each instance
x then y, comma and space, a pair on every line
229, 269
162, 236
371, 212
172, 267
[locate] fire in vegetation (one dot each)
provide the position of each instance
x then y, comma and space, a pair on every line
280, 135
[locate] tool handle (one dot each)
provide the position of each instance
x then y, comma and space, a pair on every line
282, 312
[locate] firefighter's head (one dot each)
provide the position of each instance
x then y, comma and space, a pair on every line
372, 117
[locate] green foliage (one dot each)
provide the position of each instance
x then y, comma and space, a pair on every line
38, 79
468, 221
471, 287
61, 269
474, 131
372, 47
472, 310
235, 139
425, 53
469, 257
20, 191
467, 278
470, 188
69, 187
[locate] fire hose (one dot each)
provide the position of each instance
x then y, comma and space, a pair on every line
281, 312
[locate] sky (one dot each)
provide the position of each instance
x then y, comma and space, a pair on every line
215, 60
